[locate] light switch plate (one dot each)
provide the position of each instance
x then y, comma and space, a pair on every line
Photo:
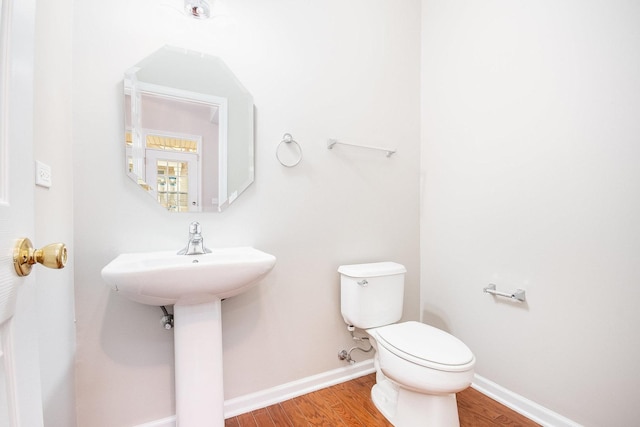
43, 174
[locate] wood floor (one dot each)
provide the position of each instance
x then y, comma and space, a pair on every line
349, 404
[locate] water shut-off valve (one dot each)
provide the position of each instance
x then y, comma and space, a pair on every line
346, 355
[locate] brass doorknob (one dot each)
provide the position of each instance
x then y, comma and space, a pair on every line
24, 256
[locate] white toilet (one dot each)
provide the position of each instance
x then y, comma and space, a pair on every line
419, 368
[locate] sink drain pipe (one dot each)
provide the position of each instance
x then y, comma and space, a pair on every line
167, 319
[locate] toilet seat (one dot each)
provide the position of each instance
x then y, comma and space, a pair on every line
426, 346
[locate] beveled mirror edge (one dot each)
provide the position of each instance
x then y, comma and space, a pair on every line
228, 195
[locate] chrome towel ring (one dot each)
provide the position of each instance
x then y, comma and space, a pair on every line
291, 155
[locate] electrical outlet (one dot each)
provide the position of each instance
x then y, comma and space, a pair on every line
43, 174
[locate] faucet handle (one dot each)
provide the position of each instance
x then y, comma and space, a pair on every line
195, 228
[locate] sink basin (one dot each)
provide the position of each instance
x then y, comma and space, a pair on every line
195, 285
164, 278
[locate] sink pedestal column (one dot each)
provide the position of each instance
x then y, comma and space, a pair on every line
198, 370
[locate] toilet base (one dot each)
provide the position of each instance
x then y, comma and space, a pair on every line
406, 408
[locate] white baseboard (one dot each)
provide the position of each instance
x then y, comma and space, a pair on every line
521, 405
271, 396
165, 422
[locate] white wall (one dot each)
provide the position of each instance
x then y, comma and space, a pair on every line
347, 70
531, 180
53, 212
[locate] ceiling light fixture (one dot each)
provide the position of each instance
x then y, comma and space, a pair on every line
197, 8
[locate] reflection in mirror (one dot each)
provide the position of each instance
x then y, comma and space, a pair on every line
189, 131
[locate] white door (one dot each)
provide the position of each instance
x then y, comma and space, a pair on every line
20, 401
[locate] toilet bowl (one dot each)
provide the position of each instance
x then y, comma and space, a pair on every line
419, 368
424, 358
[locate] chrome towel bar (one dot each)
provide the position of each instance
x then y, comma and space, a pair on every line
517, 295
333, 142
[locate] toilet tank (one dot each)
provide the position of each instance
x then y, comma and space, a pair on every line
371, 295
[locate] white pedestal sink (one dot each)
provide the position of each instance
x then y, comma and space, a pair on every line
195, 285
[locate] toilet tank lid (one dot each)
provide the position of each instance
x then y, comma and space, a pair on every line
372, 269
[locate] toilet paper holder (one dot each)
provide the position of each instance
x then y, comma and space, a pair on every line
517, 295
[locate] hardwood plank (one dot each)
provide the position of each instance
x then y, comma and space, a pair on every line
353, 398
294, 413
476, 409
335, 400
231, 422
368, 381
317, 411
279, 416
247, 420
262, 418
472, 411
324, 397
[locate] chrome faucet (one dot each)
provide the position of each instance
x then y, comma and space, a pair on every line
195, 246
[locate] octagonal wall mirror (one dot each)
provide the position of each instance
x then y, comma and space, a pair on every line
188, 131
